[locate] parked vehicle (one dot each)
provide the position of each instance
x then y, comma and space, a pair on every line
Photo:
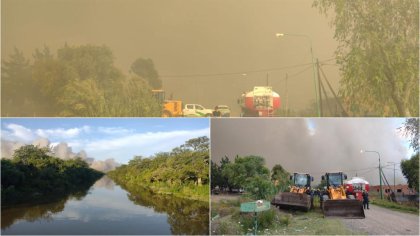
262, 101
299, 196
170, 108
356, 186
196, 110
335, 201
221, 111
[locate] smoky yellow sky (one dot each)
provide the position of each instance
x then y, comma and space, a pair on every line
186, 37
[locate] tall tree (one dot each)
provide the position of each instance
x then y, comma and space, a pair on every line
16, 84
410, 169
410, 129
145, 68
249, 172
280, 177
78, 81
378, 54
200, 144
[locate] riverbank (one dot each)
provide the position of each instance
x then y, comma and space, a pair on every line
190, 192
34, 175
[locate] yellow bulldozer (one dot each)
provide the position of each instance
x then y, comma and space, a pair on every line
299, 196
170, 108
335, 201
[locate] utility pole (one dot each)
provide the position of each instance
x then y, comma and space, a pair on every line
380, 171
394, 172
278, 35
319, 89
267, 79
287, 97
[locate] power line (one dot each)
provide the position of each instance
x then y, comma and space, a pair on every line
242, 72
367, 168
300, 72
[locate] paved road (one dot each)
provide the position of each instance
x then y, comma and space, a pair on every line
383, 221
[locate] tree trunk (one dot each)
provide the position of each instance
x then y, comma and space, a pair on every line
401, 105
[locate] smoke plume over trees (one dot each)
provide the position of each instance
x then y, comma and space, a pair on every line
77, 81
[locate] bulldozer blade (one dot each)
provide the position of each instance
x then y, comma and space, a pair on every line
346, 208
288, 200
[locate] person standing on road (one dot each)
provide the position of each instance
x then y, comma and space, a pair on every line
365, 196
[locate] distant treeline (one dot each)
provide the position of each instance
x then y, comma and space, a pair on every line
77, 81
183, 172
33, 175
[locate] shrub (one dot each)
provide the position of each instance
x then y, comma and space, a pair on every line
285, 220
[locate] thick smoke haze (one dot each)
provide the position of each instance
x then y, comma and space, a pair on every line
61, 150
314, 146
186, 38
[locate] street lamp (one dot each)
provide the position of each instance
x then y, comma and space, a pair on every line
393, 163
278, 35
380, 177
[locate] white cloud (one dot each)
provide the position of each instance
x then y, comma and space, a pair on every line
17, 133
142, 143
114, 130
62, 133
117, 142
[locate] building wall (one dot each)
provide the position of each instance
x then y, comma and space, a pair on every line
399, 189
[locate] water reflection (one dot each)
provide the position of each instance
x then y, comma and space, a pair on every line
108, 209
185, 216
105, 182
32, 212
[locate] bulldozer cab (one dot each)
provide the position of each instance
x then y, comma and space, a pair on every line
159, 95
334, 179
335, 188
302, 180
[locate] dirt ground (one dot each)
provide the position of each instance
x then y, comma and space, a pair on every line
217, 198
384, 221
378, 221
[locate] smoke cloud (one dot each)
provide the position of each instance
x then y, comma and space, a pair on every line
61, 150
314, 146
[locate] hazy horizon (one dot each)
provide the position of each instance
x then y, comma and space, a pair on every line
220, 39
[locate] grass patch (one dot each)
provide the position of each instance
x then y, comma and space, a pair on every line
395, 206
273, 222
307, 223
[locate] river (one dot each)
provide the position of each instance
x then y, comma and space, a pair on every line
108, 209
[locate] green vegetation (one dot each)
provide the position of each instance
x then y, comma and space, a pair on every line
77, 81
247, 172
187, 217
410, 130
378, 55
280, 178
395, 206
410, 169
272, 222
145, 68
183, 172
33, 175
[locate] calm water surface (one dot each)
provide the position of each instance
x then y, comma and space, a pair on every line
109, 209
